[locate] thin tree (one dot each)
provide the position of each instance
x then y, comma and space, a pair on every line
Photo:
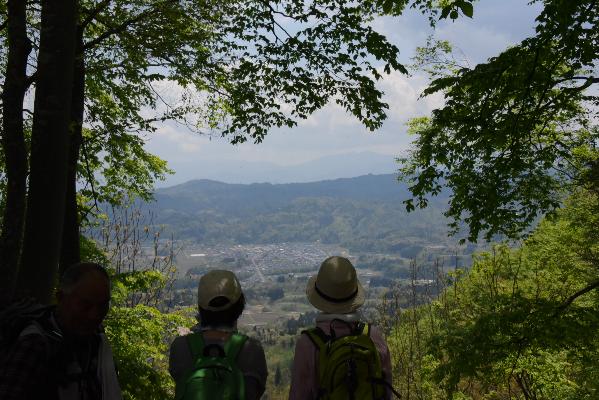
13, 143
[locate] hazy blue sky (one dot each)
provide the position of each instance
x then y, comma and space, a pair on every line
338, 143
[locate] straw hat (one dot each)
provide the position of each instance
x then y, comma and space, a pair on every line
336, 289
221, 284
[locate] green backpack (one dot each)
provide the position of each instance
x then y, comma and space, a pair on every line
349, 367
215, 374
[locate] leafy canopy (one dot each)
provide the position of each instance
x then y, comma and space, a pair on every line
516, 132
526, 314
232, 68
520, 323
218, 67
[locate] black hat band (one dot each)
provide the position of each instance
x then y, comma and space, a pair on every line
334, 300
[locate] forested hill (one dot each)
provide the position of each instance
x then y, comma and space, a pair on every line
365, 212
236, 198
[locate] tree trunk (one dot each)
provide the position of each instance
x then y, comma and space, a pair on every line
13, 144
70, 252
49, 151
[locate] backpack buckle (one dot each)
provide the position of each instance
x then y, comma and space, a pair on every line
214, 350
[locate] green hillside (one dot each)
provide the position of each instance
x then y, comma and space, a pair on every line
363, 213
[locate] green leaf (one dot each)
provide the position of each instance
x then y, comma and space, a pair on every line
467, 9
445, 12
388, 6
512, 134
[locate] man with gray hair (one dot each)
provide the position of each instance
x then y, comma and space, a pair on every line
62, 353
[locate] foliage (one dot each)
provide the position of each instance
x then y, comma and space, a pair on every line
217, 67
516, 132
231, 68
115, 169
140, 337
279, 357
139, 333
90, 252
143, 262
128, 283
435, 9
275, 293
519, 324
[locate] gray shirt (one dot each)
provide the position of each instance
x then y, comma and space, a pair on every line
251, 361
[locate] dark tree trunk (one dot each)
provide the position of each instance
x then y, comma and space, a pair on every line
70, 252
13, 144
49, 151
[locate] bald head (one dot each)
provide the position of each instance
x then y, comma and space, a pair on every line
78, 272
83, 298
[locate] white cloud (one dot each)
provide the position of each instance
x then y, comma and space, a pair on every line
170, 141
332, 131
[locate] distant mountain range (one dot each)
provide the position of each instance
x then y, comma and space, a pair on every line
364, 213
198, 195
330, 167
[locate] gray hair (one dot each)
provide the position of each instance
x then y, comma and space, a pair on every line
76, 272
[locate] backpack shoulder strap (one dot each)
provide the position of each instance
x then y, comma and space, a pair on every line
317, 337
196, 344
234, 345
51, 336
364, 329
322, 342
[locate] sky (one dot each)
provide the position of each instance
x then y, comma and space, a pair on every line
331, 143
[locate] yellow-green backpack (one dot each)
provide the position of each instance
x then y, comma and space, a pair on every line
349, 367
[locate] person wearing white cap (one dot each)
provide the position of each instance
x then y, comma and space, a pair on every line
338, 294
220, 304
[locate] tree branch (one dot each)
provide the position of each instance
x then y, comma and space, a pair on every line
570, 300
90, 175
93, 13
30, 80
123, 26
570, 78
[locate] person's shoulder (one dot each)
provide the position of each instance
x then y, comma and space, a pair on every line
373, 327
378, 337
375, 330
252, 350
304, 342
32, 335
252, 344
179, 344
39, 332
33, 328
251, 360
30, 344
182, 338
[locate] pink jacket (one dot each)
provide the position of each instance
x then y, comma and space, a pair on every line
304, 376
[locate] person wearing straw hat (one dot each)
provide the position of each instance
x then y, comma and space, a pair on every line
338, 294
220, 304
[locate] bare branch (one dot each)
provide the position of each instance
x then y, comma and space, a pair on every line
90, 176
